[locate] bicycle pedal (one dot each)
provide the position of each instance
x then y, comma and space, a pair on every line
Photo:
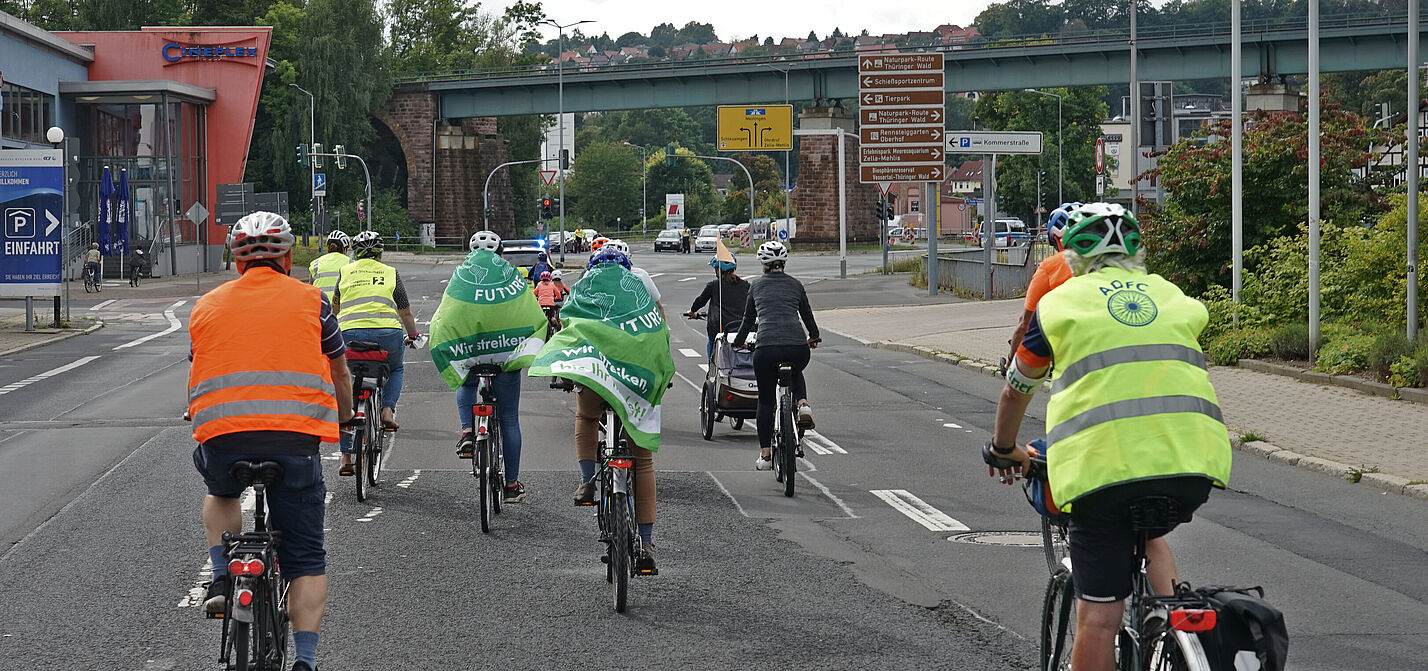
648, 571
584, 504
212, 616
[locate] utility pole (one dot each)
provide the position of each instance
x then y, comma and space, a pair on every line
1237, 156
644, 186
560, 114
312, 167
1060, 128
1134, 112
1412, 160
1314, 176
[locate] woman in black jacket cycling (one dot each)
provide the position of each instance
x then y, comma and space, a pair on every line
725, 295
779, 306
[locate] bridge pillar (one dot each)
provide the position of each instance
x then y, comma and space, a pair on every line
816, 199
447, 162
1272, 96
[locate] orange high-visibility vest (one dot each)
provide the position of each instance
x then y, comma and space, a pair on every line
257, 359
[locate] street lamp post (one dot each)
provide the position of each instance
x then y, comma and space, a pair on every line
560, 116
311, 140
644, 184
787, 160
55, 136
1060, 174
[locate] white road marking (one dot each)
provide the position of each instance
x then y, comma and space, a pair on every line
199, 591
843, 506
704, 367
690, 353
96, 307
918, 510
174, 325
688, 279
823, 440
371, 514
724, 489
950, 425
654, 275
682, 377
15, 386
817, 449
411, 480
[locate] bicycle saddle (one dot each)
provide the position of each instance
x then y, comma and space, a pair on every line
1154, 514
486, 370
248, 473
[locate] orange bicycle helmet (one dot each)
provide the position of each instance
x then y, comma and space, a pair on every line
597, 243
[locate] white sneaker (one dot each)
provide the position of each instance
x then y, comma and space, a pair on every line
805, 417
762, 464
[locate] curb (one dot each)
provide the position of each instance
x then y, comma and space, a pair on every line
1411, 394
62, 337
1381, 481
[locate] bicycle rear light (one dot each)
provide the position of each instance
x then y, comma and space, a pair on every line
483, 410
1192, 619
245, 597
364, 394
621, 463
252, 566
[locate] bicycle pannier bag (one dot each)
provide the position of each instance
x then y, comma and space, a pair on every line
1250, 634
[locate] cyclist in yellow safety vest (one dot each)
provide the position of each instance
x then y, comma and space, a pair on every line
1132, 414
372, 305
323, 269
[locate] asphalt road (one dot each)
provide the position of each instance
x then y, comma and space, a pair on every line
101, 543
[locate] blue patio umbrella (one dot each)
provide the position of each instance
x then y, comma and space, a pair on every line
105, 211
121, 212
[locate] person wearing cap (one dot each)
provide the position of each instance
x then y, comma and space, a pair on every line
1132, 414
268, 382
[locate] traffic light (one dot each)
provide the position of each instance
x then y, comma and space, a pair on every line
302, 157
340, 160
565, 159
669, 156
316, 154
545, 207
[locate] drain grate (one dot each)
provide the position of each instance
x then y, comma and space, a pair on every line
1029, 539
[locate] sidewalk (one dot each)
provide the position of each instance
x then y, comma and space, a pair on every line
1330, 429
15, 339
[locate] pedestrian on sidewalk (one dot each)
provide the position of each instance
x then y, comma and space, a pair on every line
1132, 414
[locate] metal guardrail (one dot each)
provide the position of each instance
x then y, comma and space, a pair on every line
1093, 37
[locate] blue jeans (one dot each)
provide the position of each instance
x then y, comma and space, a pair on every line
508, 412
391, 340
295, 505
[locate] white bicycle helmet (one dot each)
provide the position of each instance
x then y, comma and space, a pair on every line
340, 238
367, 243
485, 240
260, 235
555, 274
772, 251
621, 245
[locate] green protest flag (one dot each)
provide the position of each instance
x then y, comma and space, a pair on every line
488, 314
615, 342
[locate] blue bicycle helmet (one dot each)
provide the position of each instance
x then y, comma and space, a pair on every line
608, 255
1056, 225
723, 266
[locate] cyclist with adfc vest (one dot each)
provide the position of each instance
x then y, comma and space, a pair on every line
323, 270
372, 305
1132, 414
268, 382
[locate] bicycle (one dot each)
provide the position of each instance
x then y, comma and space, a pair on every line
91, 281
615, 508
1158, 633
368, 363
787, 442
487, 461
255, 631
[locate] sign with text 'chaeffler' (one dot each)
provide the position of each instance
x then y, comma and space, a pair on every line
674, 210
901, 118
32, 203
755, 127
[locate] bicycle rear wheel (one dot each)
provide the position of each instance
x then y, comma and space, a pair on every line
621, 539
1058, 622
374, 456
359, 452
497, 474
269, 634
483, 480
788, 455
240, 634
1054, 543
1173, 650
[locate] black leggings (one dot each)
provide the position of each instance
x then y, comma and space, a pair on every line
766, 361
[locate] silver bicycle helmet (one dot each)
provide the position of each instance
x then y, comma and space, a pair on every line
772, 251
260, 235
367, 243
485, 240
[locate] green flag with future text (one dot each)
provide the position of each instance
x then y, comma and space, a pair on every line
615, 342
488, 314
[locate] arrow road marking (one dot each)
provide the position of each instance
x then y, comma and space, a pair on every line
15, 386
174, 325
918, 510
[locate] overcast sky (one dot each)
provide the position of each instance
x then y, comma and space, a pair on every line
779, 18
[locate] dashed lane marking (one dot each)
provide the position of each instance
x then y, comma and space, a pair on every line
688, 279
918, 510
654, 275
411, 479
371, 514
951, 425
819, 440
16, 386
689, 353
101, 305
704, 367
174, 325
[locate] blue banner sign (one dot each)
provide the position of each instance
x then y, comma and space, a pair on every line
32, 203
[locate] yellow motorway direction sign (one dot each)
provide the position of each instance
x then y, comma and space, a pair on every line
755, 127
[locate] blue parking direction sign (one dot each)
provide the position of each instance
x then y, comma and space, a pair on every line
31, 202
319, 184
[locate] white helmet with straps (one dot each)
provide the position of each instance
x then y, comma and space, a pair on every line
340, 238
260, 235
485, 240
367, 243
772, 251
621, 245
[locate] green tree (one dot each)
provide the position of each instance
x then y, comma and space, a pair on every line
228, 12
698, 33
1020, 17
691, 177
630, 39
1082, 112
1189, 237
605, 184
428, 35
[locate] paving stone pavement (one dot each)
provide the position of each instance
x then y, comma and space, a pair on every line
1318, 421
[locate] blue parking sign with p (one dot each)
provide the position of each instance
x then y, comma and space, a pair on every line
964, 142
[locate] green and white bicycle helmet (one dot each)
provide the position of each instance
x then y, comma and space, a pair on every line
1102, 228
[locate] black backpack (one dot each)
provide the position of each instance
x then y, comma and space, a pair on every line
1249, 633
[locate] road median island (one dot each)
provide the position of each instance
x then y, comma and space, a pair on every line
14, 339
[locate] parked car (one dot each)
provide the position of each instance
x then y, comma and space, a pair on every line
724, 229
707, 240
667, 239
1010, 232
